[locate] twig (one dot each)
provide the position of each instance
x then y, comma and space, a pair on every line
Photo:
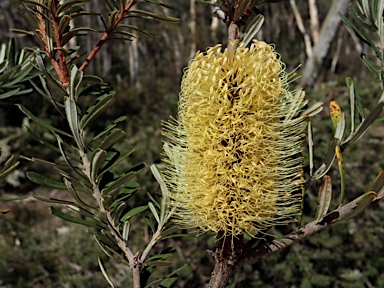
63, 70
107, 34
252, 255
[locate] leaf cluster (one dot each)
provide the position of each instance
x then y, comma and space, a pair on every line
16, 68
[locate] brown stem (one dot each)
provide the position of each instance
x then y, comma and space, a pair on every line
47, 49
107, 34
252, 255
62, 70
227, 254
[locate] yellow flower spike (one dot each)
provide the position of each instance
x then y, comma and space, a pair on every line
234, 161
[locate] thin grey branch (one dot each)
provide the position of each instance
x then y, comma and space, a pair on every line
252, 255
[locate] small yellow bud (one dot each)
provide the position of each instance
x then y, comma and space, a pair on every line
233, 154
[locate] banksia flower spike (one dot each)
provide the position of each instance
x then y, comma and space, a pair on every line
234, 161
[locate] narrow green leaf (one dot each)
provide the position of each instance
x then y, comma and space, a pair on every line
310, 147
362, 204
113, 161
173, 274
72, 117
8, 163
103, 247
154, 212
162, 256
103, 269
112, 138
72, 191
252, 28
9, 93
38, 3
324, 197
352, 97
70, 4
121, 194
44, 181
64, 24
313, 110
110, 127
158, 3
340, 163
71, 218
363, 127
3, 65
21, 75
14, 198
135, 28
158, 263
118, 211
54, 200
155, 16
154, 200
378, 184
82, 211
150, 224
40, 122
102, 103
375, 69
9, 170
133, 212
118, 182
96, 162
324, 168
76, 32
125, 233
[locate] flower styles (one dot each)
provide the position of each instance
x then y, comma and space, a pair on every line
234, 154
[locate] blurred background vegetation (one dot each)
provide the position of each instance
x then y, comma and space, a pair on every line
39, 250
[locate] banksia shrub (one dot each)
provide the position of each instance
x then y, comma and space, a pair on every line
234, 161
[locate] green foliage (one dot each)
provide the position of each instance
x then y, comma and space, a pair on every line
15, 70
